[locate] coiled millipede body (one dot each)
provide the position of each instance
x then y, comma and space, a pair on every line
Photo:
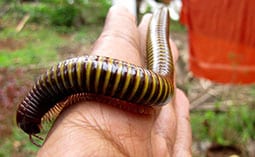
106, 77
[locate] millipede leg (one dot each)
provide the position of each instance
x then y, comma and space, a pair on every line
32, 140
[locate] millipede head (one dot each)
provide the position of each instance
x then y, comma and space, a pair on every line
27, 125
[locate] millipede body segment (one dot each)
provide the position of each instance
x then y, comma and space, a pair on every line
104, 76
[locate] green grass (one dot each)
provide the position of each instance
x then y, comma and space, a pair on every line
233, 127
37, 47
176, 26
18, 142
87, 35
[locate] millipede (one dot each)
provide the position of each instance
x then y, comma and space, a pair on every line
103, 76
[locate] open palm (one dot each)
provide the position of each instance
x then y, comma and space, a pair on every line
96, 129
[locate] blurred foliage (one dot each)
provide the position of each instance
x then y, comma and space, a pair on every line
78, 12
13, 87
236, 126
18, 142
37, 45
176, 26
29, 47
39, 41
61, 13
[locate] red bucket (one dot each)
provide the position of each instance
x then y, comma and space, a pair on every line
221, 39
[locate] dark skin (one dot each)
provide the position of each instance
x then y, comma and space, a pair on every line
97, 129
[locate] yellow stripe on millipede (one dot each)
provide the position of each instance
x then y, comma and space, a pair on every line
167, 89
108, 75
88, 70
117, 80
49, 80
45, 85
78, 72
137, 82
54, 69
153, 87
62, 66
145, 86
160, 86
127, 81
69, 69
98, 73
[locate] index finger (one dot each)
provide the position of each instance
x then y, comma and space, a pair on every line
120, 37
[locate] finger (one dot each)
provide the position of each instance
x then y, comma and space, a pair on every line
182, 146
165, 128
119, 38
143, 30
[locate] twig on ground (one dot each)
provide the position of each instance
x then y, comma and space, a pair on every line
22, 23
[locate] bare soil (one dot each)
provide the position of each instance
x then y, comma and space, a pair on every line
10, 44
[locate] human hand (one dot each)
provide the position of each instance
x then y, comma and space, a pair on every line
97, 129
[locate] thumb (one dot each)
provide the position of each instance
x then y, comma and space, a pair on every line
120, 37
183, 142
